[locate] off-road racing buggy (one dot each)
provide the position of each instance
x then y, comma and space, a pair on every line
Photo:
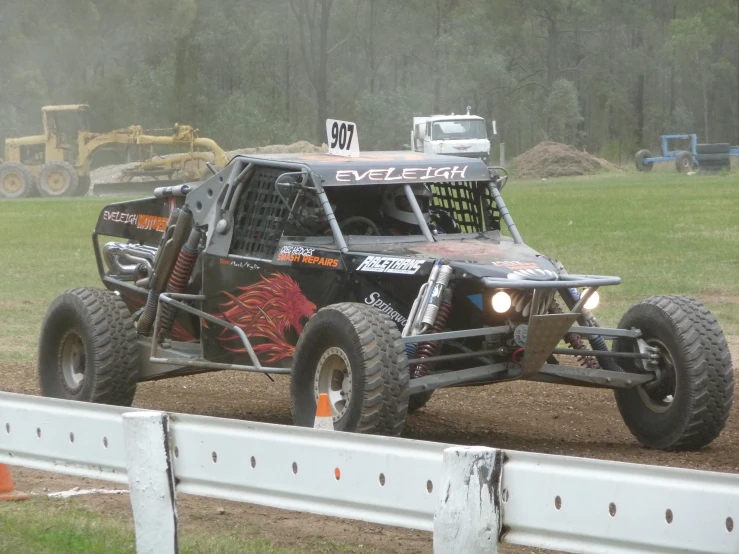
376, 279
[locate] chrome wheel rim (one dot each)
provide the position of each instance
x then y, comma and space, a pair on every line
72, 360
334, 377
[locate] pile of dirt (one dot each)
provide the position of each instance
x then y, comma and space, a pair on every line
115, 173
110, 173
300, 147
553, 159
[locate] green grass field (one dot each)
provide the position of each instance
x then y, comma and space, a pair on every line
44, 526
662, 233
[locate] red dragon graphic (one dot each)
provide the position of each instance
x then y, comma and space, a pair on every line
266, 310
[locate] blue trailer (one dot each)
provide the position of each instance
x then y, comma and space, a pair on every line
685, 160
708, 157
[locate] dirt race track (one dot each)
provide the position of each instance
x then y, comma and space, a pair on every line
520, 416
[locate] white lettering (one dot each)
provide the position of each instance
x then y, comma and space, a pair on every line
375, 301
390, 176
301, 251
382, 264
344, 176
407, 174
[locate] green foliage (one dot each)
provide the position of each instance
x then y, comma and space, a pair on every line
248, 72
563, 112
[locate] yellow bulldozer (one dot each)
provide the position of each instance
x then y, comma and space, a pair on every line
57, 163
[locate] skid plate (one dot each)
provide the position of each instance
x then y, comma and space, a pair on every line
544, 334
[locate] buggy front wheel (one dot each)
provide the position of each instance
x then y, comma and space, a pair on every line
688, 405
353, 353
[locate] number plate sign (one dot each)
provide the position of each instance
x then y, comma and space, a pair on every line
343, 139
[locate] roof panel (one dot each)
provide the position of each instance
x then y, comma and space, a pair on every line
384, 167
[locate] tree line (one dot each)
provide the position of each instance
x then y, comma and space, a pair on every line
608, 76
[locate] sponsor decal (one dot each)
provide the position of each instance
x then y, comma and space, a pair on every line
390, 174
377, 302
120, 217
324, 261
533, 274
299, 250
516, 265
241, 264
152, 223
269, 311
383, 264
306, 256
140, 221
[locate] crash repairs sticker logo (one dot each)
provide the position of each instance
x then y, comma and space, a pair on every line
140, 221
382, 264
305, 256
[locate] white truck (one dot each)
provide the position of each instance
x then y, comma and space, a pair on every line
457, 135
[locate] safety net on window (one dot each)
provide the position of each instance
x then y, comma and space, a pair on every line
260, 216
468, 203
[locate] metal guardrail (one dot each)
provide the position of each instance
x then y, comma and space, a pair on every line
470, 498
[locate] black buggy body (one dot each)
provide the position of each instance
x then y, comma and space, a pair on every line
287, 264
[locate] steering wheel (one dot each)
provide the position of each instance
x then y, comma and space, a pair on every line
358, 222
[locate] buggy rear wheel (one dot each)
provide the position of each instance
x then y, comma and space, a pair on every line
353, 353
687, 407
88, 349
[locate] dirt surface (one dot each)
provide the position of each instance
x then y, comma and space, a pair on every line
553, 159
300, 147
518, 416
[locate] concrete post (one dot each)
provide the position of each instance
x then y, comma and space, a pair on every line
151, 481
468, 515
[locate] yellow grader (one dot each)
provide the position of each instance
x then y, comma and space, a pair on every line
57, 163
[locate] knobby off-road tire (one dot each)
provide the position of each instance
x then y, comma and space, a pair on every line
57, 179
88, 348
359, 343
701, 382
15, 181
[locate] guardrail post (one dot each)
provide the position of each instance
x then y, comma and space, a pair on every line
151, 481
468, 517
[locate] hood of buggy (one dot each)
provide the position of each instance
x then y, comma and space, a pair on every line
478, 257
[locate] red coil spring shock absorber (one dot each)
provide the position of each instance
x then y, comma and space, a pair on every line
429, 349
181, 276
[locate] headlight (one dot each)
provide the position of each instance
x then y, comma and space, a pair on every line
501, 302
593, 301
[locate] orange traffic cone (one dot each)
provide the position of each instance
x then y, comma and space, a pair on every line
324, 419
7, 489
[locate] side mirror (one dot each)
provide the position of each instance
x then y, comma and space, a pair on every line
288, 184
498, 176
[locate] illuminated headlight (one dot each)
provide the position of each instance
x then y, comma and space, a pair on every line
501, 302
593, 301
